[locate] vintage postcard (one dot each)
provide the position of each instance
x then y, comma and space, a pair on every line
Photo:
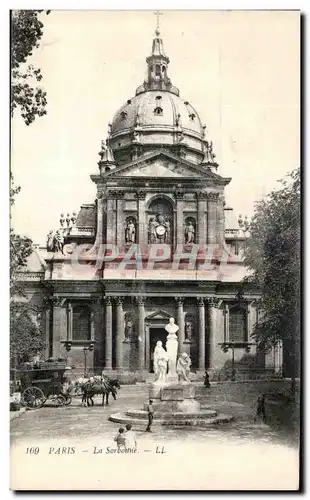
154, 339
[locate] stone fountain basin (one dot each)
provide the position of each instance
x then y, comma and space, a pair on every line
142, 414
138, 417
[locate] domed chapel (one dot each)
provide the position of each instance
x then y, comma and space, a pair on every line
158, 242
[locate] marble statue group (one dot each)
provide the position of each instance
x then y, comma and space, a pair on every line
166, 359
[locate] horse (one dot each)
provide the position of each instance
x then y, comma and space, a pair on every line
98, 385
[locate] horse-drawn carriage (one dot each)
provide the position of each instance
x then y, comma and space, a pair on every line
44, 381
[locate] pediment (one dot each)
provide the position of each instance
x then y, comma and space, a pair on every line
161, 163
158, 315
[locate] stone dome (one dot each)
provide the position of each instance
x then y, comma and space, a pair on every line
157, 117
141, 111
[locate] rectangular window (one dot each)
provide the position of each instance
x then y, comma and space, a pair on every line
81, 323
237, 325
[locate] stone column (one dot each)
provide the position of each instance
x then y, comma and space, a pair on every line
180, 322
142, 229
111, 239
100, 217
108, 333
201, 333
48, 313
212, 218
69, 321
201, 211
220, 220
179, 218
120, 234
213, 341
59, 325
119, 333
141, 332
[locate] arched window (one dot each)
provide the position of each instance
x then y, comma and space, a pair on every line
237, 324
81, 323
157, 70
158, 109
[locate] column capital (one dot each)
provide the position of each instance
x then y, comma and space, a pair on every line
140, 300
118, 300
214, 302
116, 194
201, 195
108, 301
178, 195
140, 195
201, 301
58, 301
47, 302
213, 196
179, 300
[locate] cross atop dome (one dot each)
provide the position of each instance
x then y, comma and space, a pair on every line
157, 13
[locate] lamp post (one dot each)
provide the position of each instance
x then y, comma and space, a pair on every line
85, 350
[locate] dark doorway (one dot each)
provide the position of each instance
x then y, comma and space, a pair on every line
155, 335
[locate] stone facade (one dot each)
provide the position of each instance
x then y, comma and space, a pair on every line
157, 243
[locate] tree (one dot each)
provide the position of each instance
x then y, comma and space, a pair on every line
26, 95
26, 32
26, 335
273, 254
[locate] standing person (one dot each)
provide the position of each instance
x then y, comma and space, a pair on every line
207, 380
120, 438
261, 408
150, 414
130, 438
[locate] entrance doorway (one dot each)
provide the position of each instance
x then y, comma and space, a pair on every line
155, 335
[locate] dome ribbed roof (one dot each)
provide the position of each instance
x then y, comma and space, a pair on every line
142, 111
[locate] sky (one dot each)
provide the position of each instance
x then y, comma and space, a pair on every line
240, 71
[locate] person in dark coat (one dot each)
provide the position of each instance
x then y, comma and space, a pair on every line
206, 380
150, 414
261, 407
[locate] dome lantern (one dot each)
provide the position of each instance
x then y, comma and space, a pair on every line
157, 68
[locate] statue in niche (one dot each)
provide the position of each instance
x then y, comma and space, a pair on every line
130, 231
152, 230
128, 330
159, 229
188, 330
189, 232
183, 368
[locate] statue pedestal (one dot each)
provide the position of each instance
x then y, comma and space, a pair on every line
173, 398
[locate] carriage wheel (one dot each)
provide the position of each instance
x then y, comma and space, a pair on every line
60, 400
33, 397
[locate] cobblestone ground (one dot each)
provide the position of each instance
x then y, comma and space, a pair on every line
75, 421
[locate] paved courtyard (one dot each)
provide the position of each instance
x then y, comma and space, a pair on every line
75, 421
238, 445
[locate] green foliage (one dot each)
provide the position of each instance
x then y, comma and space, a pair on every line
26, 95
273, 254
